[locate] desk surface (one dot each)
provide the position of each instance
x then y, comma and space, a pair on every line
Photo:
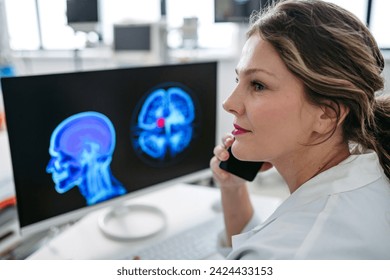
184, 205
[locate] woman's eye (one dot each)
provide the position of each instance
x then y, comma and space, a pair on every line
236, 80
257, 86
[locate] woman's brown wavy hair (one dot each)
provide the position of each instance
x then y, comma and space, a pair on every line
338, 60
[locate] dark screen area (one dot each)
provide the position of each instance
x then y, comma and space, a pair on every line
132, 37
79, 11
237, 11
35, 105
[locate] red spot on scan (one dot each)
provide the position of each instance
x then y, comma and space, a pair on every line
160, 122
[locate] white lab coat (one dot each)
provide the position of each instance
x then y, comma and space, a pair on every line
343, 213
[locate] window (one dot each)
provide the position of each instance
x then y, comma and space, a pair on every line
23, 34
380, 22
50, 29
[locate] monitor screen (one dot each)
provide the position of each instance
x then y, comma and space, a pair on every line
132, 37
237, 11
84, 140
78, 11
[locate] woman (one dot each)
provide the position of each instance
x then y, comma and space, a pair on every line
305, 103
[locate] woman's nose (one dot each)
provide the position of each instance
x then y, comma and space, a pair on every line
233, 104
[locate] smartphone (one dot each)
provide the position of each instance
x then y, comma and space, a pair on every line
245, 169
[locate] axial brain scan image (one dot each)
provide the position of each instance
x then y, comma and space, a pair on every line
81, 149
164, 125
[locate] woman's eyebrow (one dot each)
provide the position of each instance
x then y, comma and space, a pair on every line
254, 70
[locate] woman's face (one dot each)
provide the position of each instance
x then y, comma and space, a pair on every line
272, 118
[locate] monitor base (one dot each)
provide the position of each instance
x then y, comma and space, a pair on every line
132, 222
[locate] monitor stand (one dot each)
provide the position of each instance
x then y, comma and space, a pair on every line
132, 222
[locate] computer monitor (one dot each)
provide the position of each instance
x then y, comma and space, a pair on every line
132, 37
237, 11
140, 42
82, 15
80, 141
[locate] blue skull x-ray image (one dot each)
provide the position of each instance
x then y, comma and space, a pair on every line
81, 149
164, 124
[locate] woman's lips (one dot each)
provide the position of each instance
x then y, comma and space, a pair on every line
239, 130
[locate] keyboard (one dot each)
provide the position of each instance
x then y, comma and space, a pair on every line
196, 243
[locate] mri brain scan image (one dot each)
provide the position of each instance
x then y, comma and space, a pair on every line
81, 149
163, 127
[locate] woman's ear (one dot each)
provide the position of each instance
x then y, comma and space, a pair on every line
330, 116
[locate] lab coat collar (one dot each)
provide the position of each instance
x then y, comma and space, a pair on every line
354, 172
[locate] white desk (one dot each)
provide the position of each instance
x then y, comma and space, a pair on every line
184, 205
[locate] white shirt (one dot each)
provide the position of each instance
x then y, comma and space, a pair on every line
343, 213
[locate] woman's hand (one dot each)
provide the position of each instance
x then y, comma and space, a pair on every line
223, 178
236, 203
